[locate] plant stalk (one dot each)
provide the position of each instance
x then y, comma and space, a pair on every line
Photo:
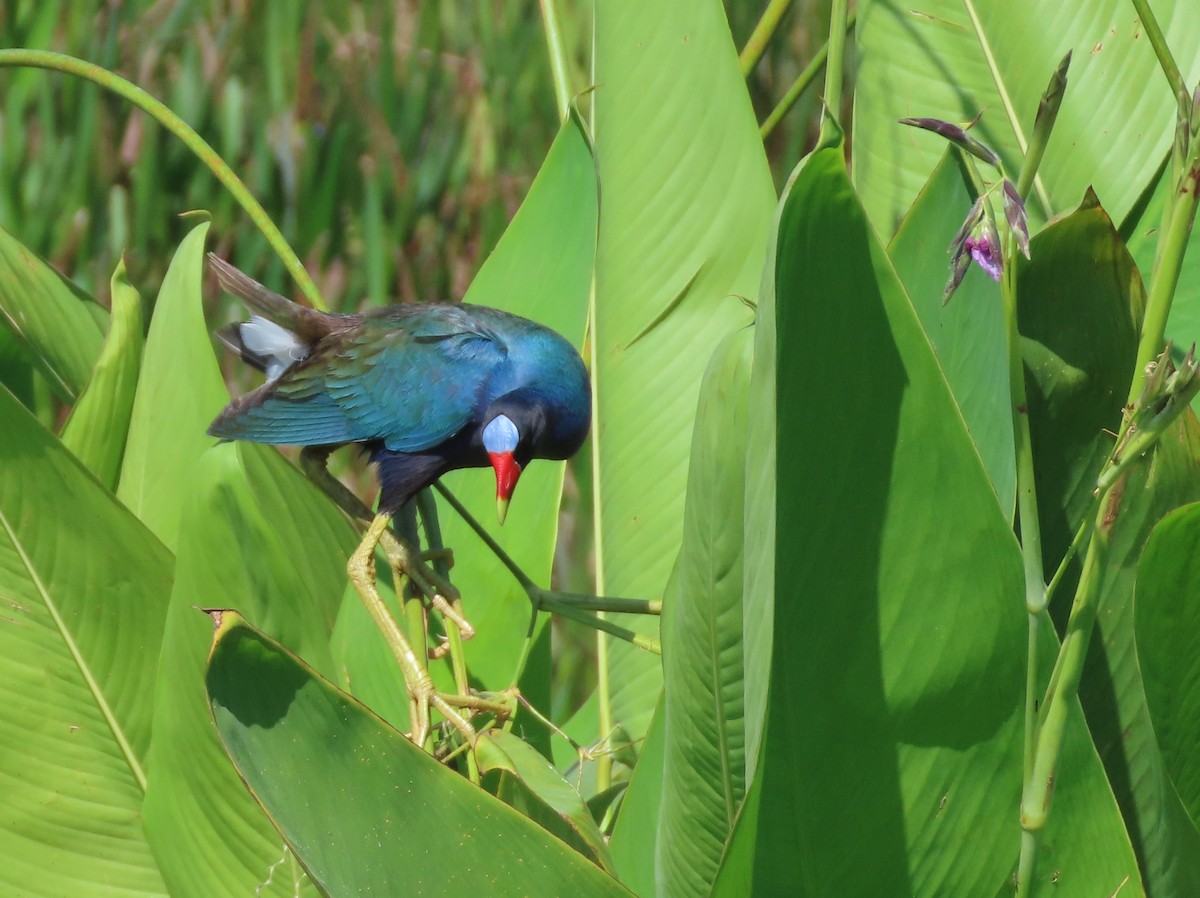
164, 116
761, 37
1165, 60
558, 58
801, 84
838, 21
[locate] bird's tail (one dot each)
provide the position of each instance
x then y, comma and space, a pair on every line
307, 324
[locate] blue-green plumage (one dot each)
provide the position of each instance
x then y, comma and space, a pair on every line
415, 384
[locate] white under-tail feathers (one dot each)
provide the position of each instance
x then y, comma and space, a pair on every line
277, 348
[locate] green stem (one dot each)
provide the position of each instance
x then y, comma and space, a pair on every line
558, 57
1165, 277
763, 32
193, 141
1064, 681
1027, 515
833, 69
605, 625
1165, 60
801, 84
538, 596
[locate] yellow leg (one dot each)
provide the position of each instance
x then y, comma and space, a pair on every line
421, 691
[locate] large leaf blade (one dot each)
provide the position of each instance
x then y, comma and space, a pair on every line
179, 392
850, 609
1168, 646
704, 774
677, 244
378, 815
60, 326
78, 649
252, 526
953, 60
99, 422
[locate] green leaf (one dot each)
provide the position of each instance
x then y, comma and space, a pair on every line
704, 776
378, 815
933, 60
554, 797
636, 832
99, 423
541, 269
1080, 299
1112, 689
678, 244
899, 630
60, 325
1079, 303
84, 588
1168, 646
967, 334
255, 530
179, 392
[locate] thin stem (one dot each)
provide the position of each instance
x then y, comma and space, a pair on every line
801, 84
604, 624
1165, 60
537, 595
763, 32
1081, 533
1027, 515
1165, 277
833, 69
1064, 682
1009, 110
558, 57
193, 141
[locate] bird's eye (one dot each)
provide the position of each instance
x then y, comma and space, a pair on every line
501, 435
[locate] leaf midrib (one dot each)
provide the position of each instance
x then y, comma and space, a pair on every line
84, 670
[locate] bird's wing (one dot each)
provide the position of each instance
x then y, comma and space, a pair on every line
412, 378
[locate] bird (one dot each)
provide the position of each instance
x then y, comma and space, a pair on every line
424, 389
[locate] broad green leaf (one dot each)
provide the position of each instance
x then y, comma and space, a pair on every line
636, 831
1080, 301
687, 209
60, 325
542, 269
1112, 690
956, 59
896, 678
1168, 646
373, 814
179, 392
544, 786
968, 333
99, 423
84, 589
704, 776
255, 530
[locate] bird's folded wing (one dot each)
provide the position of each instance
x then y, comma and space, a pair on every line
412, 391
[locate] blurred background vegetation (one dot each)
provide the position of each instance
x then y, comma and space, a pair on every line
391, 141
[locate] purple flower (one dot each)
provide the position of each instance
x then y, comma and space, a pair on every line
984, 247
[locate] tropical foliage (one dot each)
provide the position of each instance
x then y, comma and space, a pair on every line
911, 536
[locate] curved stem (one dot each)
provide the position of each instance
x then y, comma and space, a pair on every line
763, 32
164, 116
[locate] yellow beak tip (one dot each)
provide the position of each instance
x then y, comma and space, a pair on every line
501, 509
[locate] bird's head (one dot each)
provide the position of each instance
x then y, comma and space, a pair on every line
502, 440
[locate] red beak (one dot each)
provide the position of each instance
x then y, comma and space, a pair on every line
507, 474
